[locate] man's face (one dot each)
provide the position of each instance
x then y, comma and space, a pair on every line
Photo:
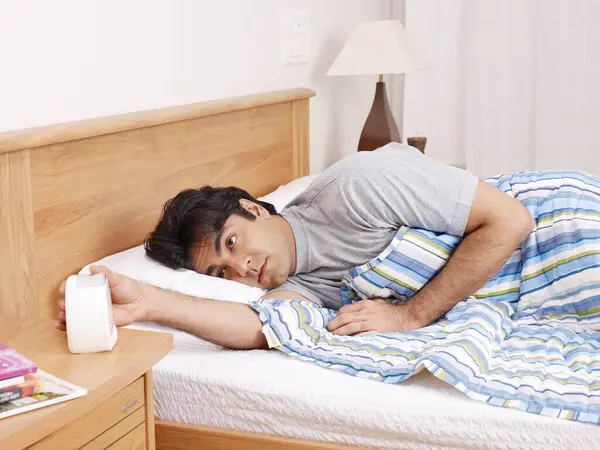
254, 253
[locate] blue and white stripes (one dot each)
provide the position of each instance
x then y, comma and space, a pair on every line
529, 339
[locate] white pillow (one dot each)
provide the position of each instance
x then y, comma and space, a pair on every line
134, 263
284, 194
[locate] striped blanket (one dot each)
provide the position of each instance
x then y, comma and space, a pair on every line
529, 339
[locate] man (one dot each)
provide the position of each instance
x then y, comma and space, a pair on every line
347, 216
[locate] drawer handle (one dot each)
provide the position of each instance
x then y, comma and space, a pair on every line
131, 403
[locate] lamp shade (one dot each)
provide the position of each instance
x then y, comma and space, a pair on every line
377, 48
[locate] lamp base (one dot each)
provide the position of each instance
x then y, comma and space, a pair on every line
380, 127
418, 142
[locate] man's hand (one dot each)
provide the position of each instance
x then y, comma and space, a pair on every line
128, 303
377, 316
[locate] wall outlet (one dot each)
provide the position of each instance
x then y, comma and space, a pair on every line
295, 35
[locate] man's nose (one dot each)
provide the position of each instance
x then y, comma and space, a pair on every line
242, 265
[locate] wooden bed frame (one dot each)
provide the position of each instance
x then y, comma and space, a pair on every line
73, 193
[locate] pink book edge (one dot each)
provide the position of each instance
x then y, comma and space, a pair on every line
13, 364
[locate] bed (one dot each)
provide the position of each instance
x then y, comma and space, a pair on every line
72, 194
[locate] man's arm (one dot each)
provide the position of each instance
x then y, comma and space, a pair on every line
496, 226
230, 324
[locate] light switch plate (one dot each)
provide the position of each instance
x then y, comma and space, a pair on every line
295, 37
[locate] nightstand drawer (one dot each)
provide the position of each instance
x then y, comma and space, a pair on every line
108, 413
134, 440
117, 431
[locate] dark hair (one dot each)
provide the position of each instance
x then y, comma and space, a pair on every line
191, 216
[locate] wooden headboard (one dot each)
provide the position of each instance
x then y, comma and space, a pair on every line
73, 193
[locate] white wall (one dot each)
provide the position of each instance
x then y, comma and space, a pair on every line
66, 60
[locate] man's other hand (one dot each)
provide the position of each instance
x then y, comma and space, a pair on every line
373, 316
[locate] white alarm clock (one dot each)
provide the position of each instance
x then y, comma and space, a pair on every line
88, 309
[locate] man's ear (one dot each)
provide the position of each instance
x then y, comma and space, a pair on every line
254, 208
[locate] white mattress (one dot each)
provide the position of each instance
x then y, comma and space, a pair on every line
269, 392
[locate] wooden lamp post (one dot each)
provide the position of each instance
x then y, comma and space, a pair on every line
377, 48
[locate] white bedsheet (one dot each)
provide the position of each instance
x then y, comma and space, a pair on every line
268, 392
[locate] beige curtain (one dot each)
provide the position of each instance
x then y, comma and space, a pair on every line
514, 84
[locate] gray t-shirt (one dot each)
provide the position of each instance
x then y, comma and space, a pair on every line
351, 212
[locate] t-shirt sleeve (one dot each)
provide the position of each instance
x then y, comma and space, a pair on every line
401, 186
293, 284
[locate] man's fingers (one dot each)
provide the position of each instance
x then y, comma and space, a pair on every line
352, 328
62, 316
353, 307
114, 278
63, 288
61, 304
100, 269
339, 321
61, 325
345, 319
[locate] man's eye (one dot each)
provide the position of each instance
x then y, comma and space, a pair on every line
231, 241
221, 273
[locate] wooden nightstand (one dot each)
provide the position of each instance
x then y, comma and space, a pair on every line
117, 412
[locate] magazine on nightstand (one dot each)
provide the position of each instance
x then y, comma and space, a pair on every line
54, 390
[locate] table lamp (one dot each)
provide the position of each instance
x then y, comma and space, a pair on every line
378, 48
